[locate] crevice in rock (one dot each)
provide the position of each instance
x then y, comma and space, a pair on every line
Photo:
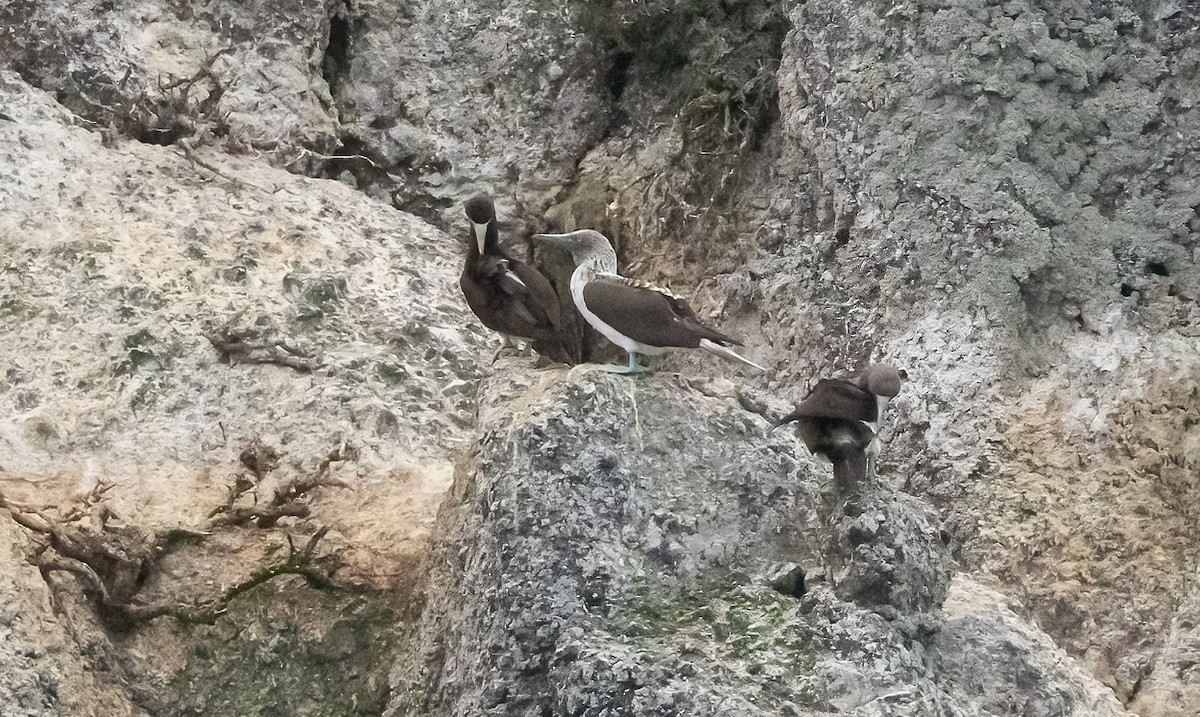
698, 79
335, 63
618, 73
1157, 268
791, 583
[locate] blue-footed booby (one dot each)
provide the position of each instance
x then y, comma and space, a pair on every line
840, 419
508, 296
637, 316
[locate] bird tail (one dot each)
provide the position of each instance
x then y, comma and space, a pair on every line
793, 416
724, 352
849, 470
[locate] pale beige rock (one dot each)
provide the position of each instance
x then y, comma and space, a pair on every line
120, 263
1172, 688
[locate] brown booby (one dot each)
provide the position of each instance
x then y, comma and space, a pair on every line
840, 419
637, 316
509, 296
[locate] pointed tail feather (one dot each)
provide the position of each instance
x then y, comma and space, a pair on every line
715, 348
793, 416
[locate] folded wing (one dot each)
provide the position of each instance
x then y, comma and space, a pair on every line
647, 314
835, 398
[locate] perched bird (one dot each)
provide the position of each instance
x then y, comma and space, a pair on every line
508, 296
840, 419
638, 317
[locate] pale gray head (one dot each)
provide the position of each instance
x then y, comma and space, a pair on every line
587, 246
884, 380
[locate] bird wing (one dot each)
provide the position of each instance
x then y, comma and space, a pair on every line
836, 398
508, 279
539, 289
646, 313
533, 298
511, 297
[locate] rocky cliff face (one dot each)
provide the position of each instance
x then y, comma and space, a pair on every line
200, 358
256, 460
1017, 189
609, 550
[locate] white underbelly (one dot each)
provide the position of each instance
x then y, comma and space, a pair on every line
607, 331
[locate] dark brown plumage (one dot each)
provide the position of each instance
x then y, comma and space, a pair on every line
839, 419
836, 398
636, 316
648, 315
508, 295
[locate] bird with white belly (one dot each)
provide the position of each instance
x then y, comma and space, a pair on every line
639, 317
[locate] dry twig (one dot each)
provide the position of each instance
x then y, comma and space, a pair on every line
250, 345
111, 564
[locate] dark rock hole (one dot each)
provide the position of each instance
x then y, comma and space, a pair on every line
1157, 267
383, 122
162, 135
336, 62
1126, 290
618, 75
791, 583
859, 536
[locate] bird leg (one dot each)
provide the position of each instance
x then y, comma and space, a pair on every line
872, 452
632, 367
506, 342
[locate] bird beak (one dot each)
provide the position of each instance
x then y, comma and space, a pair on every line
551, 239
517, 279
566, 241
480, 235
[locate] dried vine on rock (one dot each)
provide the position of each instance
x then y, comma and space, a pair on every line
286, 500
258, 344
112, 563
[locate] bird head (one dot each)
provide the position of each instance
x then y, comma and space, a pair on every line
582, 243
481, 212
884, 380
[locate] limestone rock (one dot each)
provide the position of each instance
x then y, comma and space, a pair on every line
1001, 198
896, 557
581, 568
161, 318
